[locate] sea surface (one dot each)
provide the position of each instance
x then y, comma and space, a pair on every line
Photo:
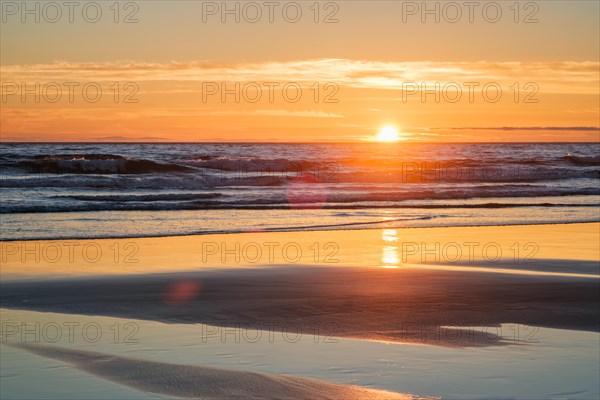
71, 190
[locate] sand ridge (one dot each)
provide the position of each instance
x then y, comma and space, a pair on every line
207, 383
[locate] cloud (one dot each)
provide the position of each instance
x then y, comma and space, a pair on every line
578, 77
276, 113
129, 138
531, 128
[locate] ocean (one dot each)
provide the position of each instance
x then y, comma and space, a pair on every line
114, 190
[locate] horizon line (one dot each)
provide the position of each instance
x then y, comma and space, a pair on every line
295, 142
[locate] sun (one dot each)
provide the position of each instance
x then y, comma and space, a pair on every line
388, 134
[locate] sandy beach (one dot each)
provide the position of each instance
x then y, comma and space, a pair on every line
196, 382
362, 294
403, 305
379, 288
518, 247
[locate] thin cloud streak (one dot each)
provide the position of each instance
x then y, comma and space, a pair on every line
530, 128
579, 77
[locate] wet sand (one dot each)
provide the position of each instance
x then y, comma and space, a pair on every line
399, 305
370, 289
375, 287
201, 382
520, 244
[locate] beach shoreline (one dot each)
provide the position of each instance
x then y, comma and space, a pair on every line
372, 285
365, 247
355, 227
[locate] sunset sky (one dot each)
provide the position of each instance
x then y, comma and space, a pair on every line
355, 76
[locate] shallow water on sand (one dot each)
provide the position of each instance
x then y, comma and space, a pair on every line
534, 363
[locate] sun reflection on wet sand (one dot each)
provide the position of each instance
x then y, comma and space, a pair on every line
389, 256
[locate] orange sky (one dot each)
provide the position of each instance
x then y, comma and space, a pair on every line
163, 77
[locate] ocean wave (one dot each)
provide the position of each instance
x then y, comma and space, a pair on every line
94, 177
96, 164
141, 197
116, 204
592, 161
107, 177
357, 169
253, 164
